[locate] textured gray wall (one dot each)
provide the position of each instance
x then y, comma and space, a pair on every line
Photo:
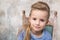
11, 16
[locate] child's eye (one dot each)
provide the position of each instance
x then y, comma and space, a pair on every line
34, 18
42, 20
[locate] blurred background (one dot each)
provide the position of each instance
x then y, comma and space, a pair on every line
11, 13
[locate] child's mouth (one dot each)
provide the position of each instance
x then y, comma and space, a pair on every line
37, 27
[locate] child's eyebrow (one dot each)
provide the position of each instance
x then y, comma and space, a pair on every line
43, 18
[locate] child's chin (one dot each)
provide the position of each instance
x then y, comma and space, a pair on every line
37, 30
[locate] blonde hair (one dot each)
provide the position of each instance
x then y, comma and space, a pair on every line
40, 6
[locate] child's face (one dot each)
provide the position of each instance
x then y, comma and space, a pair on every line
38, 20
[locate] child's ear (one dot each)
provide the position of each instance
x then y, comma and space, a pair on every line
29, 19
47, 21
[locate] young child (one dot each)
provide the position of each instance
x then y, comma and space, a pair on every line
38, 18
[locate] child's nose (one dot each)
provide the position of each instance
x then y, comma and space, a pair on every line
37, 22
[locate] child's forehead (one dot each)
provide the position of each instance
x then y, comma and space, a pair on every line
39, 13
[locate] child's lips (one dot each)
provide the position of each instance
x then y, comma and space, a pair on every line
37, 27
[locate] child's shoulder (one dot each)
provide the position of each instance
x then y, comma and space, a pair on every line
21, 35
45, 31
47, 35
20, 30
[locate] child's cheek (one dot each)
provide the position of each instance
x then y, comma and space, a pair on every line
43, 24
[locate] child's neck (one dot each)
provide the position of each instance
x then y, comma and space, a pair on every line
37, 33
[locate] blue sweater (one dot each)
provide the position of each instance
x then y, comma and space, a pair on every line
45, 36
